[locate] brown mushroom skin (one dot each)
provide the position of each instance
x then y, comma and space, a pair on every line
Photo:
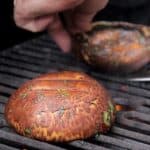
60, 107
114, 46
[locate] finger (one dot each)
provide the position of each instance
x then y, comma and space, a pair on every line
34, 8
73, 25
34, 15
60, 35
34, 25
82, 15
94, 5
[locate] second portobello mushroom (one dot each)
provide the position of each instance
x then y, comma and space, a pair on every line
114, 46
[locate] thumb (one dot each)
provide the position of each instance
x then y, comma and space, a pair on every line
84, 14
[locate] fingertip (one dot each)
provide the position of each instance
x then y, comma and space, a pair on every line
63, 40
59, 34
65, 44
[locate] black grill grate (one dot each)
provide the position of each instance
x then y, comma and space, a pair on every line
41, 55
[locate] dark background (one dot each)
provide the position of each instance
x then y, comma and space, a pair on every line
9, 33
136, 11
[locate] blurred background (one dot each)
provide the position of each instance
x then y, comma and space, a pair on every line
135, 11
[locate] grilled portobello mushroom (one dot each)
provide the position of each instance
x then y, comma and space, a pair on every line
61, 106
114, 46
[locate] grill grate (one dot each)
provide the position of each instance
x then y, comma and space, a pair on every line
41, 55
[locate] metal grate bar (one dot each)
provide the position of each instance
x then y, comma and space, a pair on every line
7, 90
143, 109
131, 134
44, 41
120, 80
29, 53
2, 108
52, 55
3, 99
87, 146
27, 142
17, 71
124, 144
31, 60
126, 88
46, 63
22, 65
12, 80
5, 147
130, 119
128, 96
138, 116
2, 122
41, 51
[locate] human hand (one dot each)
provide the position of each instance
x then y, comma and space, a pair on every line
39, 15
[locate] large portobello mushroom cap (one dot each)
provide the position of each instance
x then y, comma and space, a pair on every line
61, 106
114, 46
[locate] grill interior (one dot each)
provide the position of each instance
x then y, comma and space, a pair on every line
41, 55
